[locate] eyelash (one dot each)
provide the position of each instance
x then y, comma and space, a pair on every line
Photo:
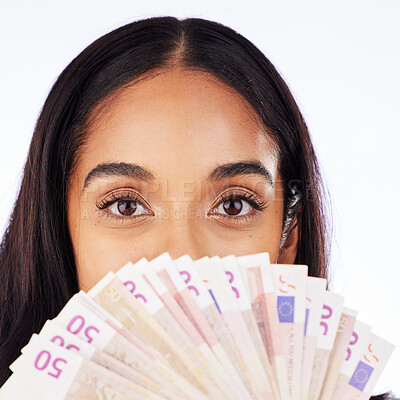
249, 197
258, 205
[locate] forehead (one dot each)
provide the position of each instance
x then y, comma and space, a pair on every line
174, 119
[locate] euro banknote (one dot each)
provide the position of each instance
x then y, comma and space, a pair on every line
232, 327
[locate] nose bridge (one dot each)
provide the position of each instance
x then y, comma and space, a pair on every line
183, 234
181, 219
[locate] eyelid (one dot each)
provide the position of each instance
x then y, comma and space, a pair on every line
126, 193
232, 219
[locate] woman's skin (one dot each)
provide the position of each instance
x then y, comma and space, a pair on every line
177, 127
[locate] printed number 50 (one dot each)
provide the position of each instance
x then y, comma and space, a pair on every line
43, 360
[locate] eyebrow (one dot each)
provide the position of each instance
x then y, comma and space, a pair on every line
240, 168
135, 171
118, 169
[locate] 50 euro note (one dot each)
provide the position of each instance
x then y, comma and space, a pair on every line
146, 286
357, 344
243, 336
180, 299
58, 335
115, 298
290, 285
329, 323
83, 318
314, 302
209, 272
368, 368
256, 274
46, 371
235, 279
343, 336
201, 308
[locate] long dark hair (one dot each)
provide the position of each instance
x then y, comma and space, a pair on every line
37, 266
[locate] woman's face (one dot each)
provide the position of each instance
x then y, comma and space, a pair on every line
177, 163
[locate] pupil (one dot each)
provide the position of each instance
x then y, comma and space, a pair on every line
124, 207
233, 207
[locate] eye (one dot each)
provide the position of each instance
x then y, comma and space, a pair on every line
234, 207
123, 205
237, 205
127, 208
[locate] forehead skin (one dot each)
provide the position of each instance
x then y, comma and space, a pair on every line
179, 125
177, 113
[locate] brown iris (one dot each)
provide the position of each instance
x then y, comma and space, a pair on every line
232, 207
126, 208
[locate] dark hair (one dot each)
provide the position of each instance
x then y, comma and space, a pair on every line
37, 265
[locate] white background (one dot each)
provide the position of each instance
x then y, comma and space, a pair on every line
341, 60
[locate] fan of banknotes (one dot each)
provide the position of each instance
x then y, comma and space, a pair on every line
213, 328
